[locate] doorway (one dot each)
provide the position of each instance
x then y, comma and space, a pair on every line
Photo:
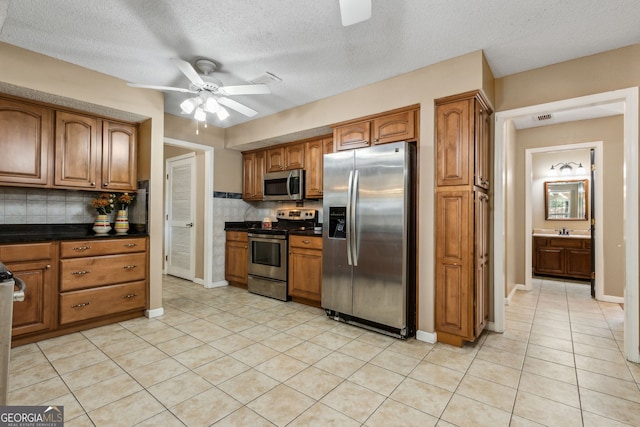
503, 216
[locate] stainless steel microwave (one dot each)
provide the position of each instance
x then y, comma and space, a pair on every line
285, 185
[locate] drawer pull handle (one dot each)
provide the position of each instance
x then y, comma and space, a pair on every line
306, 242
130, 245
80, 273
83, 304
129, 267
81, 248
128, 296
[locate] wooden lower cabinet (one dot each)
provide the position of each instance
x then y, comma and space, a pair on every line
462, 265
305, 268
236, 261
567, 257
35, 264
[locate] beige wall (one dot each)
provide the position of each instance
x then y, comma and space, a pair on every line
45, 78
609, 130
422, 87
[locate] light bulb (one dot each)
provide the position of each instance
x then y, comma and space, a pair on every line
222, 113
211, 105
188, 105
581, 170
200, 115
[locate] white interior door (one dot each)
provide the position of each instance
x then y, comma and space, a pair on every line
180, 217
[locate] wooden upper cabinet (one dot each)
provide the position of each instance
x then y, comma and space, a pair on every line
119, 172
294, 156
275, 159
463, 141
77, 156
394, 127
25, 139
354, 135
314, 163
253, 167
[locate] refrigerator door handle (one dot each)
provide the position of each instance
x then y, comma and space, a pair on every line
352, 220
348, 217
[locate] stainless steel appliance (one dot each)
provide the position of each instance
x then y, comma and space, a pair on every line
7, 296
268, 250
285, 185
368, 272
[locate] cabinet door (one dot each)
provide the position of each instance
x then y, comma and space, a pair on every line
36, 312
294, 156
355, 135
305, 267
454, 299
550, 260
482, 261
248, 176
578, 263
25, 139
76, 150
275, 159
119, 146
313, 152
258, 174
453, 143
394, 127
236, 262
482, 148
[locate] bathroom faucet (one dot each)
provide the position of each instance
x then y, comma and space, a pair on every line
564, 231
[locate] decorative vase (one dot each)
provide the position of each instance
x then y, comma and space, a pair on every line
102, 225
122, 222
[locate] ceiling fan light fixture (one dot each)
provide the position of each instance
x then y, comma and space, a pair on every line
188, 105
222, 113
200, 115
211, 105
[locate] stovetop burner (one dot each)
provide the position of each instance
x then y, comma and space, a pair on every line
290, 220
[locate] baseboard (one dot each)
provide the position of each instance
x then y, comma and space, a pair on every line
507, 300
429, 337
218, 284
198, 281
155, 312
610, 298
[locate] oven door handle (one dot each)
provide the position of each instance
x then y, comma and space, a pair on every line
266, 237
289, 185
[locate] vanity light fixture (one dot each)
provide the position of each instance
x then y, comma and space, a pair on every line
565, 168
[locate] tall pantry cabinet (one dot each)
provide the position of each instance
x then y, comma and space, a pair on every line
462, 217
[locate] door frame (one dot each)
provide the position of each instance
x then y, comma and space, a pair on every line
208, 151
528, 220
504, 138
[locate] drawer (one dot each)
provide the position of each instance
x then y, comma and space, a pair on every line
27, 252
90, 303
80, 273
306, 242
237, 236
565, 242
86, 248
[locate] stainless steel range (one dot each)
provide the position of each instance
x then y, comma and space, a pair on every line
268, 249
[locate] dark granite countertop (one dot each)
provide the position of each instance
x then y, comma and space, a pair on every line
241, 225
310, 233
24, 233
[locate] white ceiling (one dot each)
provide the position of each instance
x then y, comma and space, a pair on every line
303, 42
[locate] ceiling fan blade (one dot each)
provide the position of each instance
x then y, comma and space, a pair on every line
259, 89
235, 105
354, 11
188, 71
163, 88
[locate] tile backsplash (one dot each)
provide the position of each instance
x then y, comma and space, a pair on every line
42, 206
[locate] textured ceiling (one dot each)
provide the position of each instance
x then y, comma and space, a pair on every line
303, 42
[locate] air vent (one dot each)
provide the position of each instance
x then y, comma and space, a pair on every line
542, 117
266, 79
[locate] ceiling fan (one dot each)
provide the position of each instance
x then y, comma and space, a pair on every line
210, 94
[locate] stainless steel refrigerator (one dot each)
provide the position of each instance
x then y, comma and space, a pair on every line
369, 249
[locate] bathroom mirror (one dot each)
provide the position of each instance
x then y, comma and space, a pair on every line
566, 200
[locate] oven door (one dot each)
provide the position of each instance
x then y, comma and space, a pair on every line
268, 256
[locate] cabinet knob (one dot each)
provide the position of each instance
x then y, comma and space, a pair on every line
306, 242
106, 184
48, 266
93, 184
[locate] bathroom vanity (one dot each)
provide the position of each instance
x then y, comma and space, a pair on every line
562, 256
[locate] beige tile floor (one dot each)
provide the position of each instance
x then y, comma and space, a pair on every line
225, 357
